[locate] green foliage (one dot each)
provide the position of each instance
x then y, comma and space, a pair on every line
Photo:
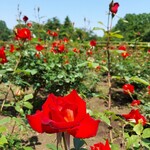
4, 31
136, 27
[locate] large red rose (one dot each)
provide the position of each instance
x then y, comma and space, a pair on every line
64, 114
23, 34
101, 146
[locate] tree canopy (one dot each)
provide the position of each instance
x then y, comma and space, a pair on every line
133, 26
4, 31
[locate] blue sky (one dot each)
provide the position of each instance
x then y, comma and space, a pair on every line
77, 10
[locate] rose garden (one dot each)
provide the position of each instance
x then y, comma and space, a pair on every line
74, 89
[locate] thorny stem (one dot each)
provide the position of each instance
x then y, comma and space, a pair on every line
108, 64
4, 100
109, 72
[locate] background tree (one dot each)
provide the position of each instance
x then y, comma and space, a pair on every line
4, 31
133, 26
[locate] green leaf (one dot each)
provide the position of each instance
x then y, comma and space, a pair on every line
27, 97
33, 71
3, 140
134, 139
97, 28
60, 76
105, 119
137, 79
119, 36
27, 148
115, 147
78, 143
28, 105
100, 23
5, 120
3, 129
146, 133
145, 143
52, 147
138, 128
19, 109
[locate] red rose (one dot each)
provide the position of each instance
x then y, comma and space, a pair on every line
64, 114
101, 146
135, 102
93, 42
76, 50
25, 19
122, 47
135, 116
124, 54
128, 88
12, 48
29, 24
3, 58
39, 47
23, 34
89, 52
114, 7
61, 48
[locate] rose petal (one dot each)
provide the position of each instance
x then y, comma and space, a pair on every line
88, 128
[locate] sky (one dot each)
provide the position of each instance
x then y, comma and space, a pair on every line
93, 10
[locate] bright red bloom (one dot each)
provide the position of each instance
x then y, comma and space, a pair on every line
25, 19
49, 32
114, 7
64, 114
122, 47
148, 51
125, 54
89, 53
135, 116
12, 48
54, 34
76, 50
3, 58
135, 102
101, 146
23, 34
65, 40
29, 24
128, 88
39, 47
61, 48
93, 42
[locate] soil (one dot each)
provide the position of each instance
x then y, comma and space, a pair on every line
39, 141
